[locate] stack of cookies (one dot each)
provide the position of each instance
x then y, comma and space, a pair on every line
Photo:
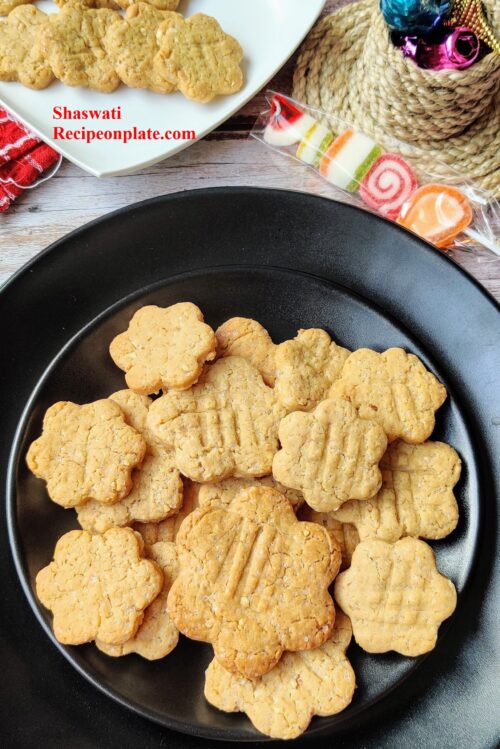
150, 47
233, 491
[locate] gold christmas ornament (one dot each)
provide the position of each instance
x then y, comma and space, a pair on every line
470, 14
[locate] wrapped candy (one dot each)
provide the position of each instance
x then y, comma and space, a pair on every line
348, 159
458, 49
314, 144
354, 163
388, 185
437, 213
288, 125
471, 13
414, 17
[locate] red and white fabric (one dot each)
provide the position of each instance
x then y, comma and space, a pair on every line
24, 159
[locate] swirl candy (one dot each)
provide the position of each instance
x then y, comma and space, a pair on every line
437, 213
348, 159
388, 185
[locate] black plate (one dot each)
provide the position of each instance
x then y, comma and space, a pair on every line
290, 261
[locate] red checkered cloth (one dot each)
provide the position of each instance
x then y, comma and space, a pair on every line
23, 159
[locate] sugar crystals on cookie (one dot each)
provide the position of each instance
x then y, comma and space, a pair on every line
254, 581
164, 347
157, 485
98, 586
395, 596
86, 453
393, 388
330, 454
225, 425
281, 703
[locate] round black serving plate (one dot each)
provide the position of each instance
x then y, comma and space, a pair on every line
288, 260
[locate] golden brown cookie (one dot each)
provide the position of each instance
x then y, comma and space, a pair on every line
416, 498
98, 586
125, 4
157, 485
167, 530
86, 453
330, 455
243, 337
157, 636
395, 597
73, 43
131, 45
344, 534
222, 493
198, 57
281, 703
164, 347
90, 3
306, 368
226, 425
254, 581
7, 6
21, 57
393, 388
159, 4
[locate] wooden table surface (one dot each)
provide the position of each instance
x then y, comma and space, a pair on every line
226, 157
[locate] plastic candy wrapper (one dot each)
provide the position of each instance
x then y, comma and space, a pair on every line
450, 217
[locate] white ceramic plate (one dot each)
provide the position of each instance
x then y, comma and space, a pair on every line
268, 30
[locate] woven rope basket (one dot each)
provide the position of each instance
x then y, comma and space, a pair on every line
449, 120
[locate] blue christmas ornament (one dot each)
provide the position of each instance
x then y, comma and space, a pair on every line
414, 17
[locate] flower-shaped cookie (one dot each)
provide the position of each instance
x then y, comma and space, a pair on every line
157, 485
330, 455
157, 636
395, 597
132, 46
343, 534
226, 425
198, 57
393, 388
306, 368
98, 586
72, 41
167, 530
254, 581
416, 498
222, 493
21, 57
243, 337
282, 702
86, 452
164, 348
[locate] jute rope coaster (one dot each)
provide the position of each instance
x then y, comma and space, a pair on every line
449, 121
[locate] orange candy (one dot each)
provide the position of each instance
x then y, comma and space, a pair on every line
437, 213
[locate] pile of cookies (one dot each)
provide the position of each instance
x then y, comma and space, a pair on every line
233, 491
150, 47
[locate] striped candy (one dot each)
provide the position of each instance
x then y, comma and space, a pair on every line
388, 185
348, 160
316, 141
